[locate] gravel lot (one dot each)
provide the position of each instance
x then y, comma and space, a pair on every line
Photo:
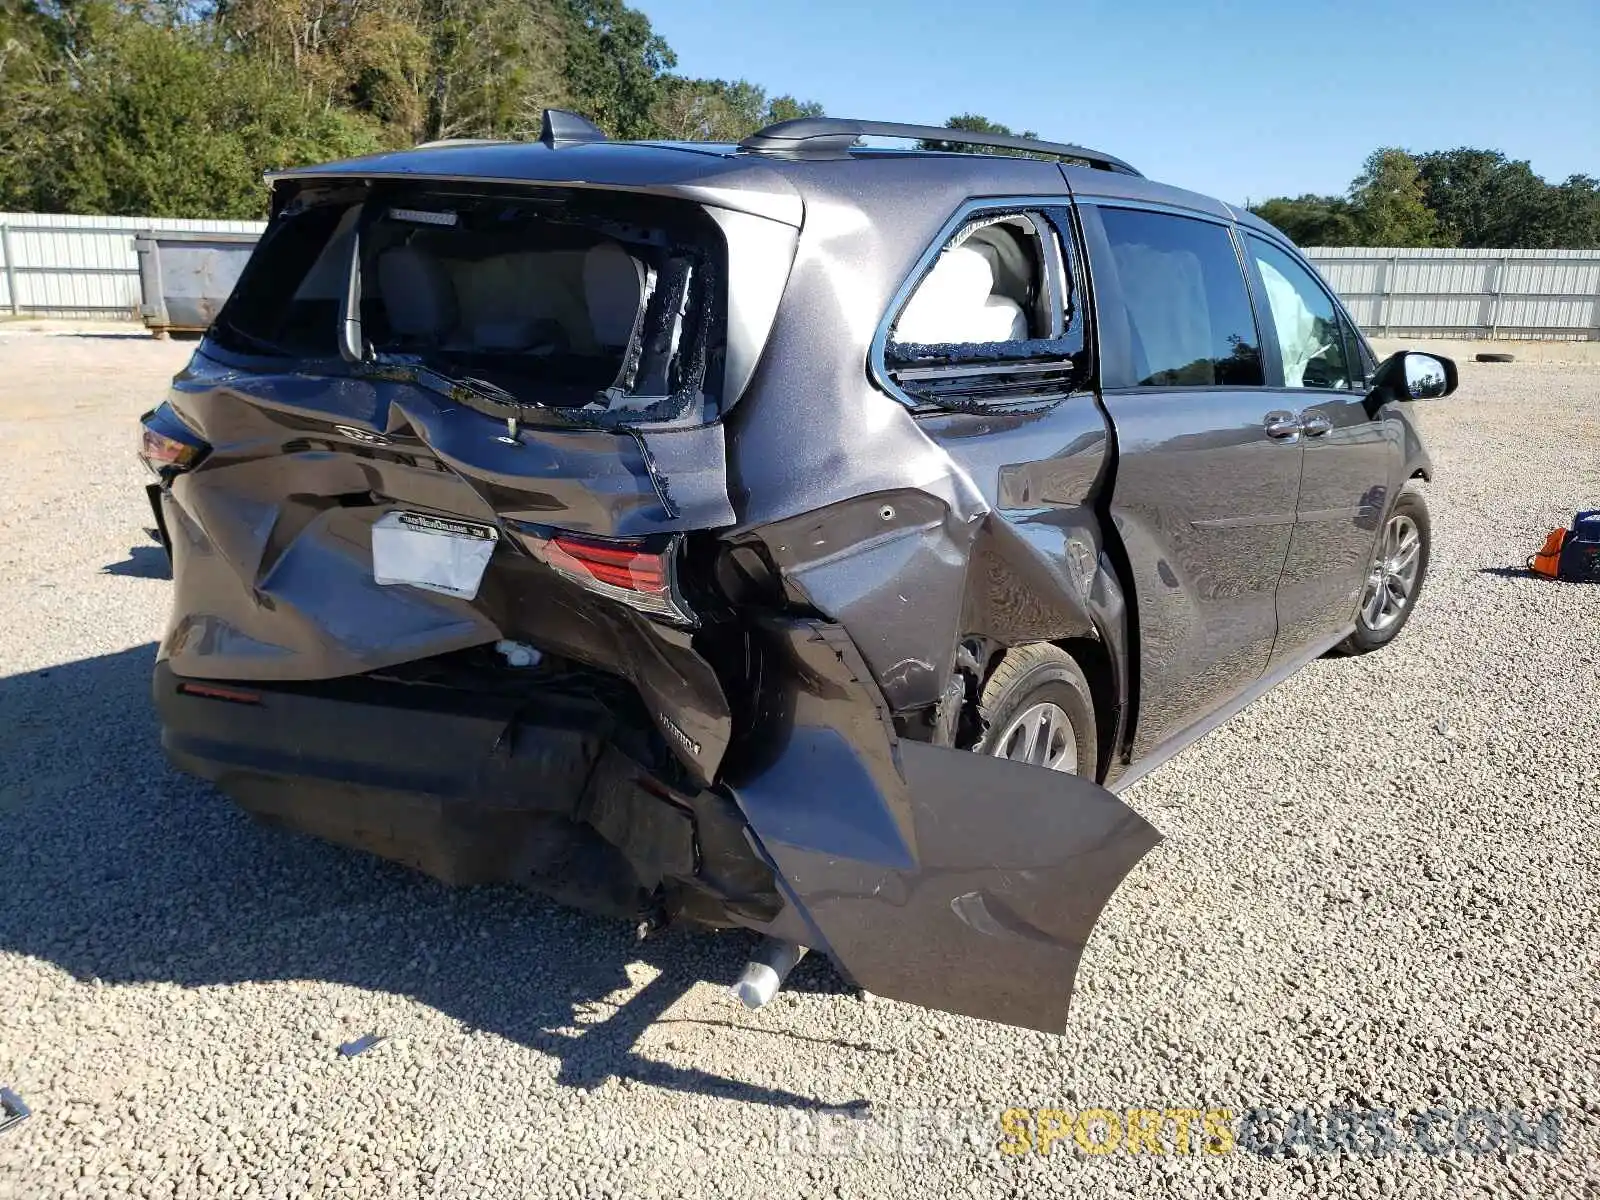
1377, 889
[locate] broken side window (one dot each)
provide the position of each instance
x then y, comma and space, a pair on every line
994, 319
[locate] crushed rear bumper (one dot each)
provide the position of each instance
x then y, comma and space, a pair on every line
471, 788
931, 875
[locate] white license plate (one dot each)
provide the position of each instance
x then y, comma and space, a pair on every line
438, 554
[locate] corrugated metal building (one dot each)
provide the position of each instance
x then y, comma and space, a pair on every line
66, 266
1546, 294
82, 267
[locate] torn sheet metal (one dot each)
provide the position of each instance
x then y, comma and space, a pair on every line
935, 876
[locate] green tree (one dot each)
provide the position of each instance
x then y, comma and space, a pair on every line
493, 66
32, 93
1483, 199
1312, 220
973, 123
1389, 204
787, 108
713, 110
424, 69
614, 61
1575, 211
1468, 197
146, 118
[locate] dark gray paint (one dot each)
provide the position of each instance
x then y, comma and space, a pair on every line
1156, 524
1344, 493
1204, 504
934, 876
743, 184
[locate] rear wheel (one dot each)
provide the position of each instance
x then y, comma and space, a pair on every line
1037, 708
1394, 580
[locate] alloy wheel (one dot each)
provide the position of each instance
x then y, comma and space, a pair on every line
1041, 735
1393, 578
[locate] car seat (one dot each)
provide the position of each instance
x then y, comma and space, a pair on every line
419, 299
613, 290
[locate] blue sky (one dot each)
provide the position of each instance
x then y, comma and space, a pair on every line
1241, 100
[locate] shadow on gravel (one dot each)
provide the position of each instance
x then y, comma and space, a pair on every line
95, 334
121, 869
1523, 573
143, 562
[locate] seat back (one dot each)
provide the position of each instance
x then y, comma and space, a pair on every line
613, 287
418, 296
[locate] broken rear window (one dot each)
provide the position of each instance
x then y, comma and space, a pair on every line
287, 299
600, 305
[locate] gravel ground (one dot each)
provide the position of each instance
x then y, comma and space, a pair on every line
1377, 890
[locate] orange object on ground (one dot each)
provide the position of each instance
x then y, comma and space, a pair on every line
1548, 561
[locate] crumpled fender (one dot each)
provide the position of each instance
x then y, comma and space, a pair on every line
931, 875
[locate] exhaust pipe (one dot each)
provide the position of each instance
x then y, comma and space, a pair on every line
765, 972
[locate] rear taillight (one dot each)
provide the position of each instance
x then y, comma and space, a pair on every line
166, 445
212, 691
641, 573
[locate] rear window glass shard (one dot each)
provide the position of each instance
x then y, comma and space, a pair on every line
994, 317
601, 308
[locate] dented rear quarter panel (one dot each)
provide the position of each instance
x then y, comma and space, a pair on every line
913, 530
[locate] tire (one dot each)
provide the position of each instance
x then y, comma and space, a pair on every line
1373, 632
1033, 678
1496, 357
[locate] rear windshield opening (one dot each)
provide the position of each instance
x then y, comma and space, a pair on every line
599, 302
287, 300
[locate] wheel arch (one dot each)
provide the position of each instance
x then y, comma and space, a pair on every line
1093, 657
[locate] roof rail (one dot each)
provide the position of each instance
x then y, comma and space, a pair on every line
833, 135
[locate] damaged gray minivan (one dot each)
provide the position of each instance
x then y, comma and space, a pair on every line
803, 535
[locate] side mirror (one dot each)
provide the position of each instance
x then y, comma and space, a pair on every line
1413, 375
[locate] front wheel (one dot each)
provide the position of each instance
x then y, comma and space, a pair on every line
1394, 580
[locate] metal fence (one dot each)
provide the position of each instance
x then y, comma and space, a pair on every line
65, 266
53, 265
1531, 294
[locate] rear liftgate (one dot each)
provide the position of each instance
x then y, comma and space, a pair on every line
932, 875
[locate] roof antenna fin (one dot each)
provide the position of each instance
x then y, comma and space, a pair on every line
558, 128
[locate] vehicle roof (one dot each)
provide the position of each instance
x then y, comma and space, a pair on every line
725, 175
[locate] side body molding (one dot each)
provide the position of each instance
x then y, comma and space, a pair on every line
931, 875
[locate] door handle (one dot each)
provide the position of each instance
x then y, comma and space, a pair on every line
1282, 425
1315, 424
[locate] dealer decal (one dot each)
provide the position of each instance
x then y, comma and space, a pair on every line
427, 524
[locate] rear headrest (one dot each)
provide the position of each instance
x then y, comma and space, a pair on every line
613, 287
417, 293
